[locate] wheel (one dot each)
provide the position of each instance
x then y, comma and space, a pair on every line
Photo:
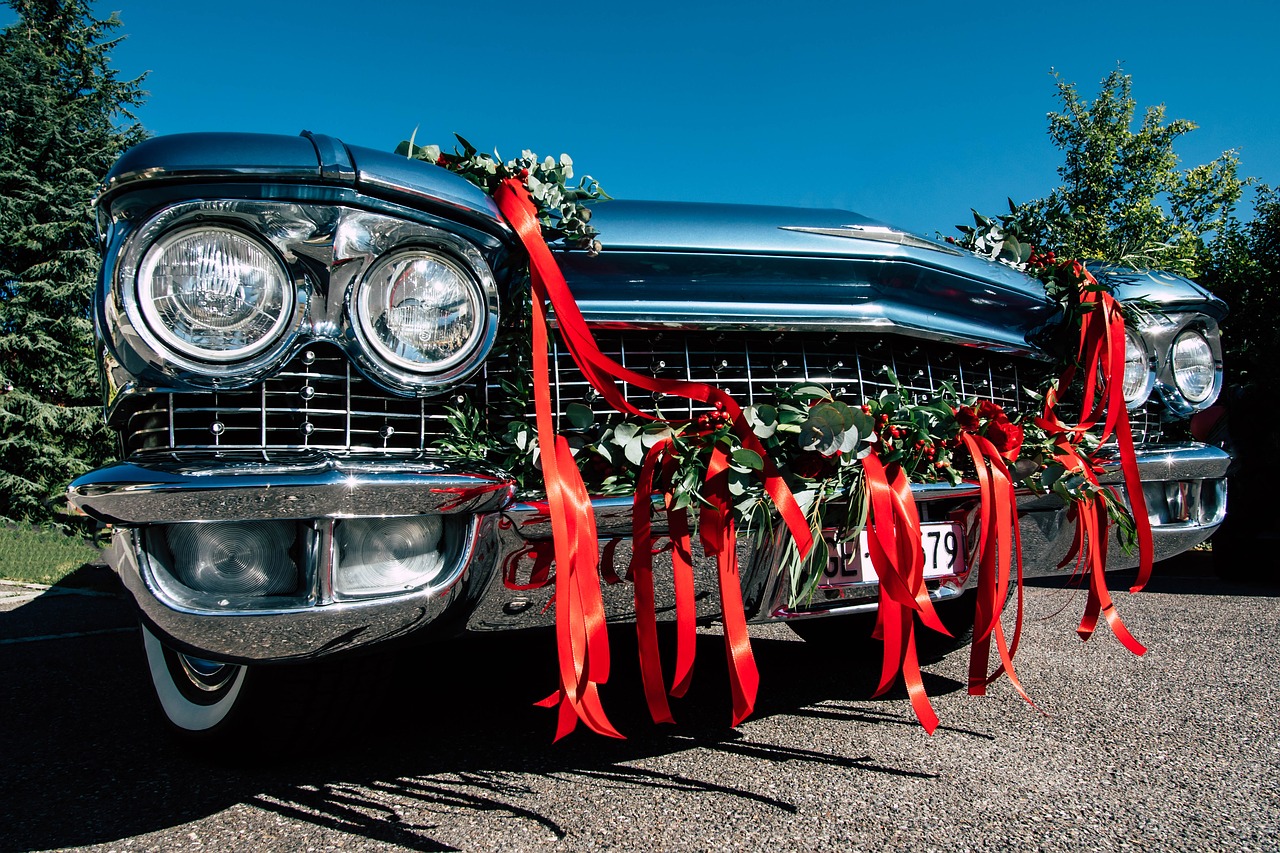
198, 697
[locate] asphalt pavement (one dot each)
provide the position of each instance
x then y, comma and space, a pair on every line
440, 748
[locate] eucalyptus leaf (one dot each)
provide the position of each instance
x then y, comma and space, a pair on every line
846, 412
849, 442
863, 422
810, 391
624, 432
634, 450
655, 434
579, 415
748, 458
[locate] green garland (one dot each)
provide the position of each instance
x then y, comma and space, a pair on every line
816, 439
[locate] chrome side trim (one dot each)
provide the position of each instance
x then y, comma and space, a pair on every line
877, 233
783, 317
297, 485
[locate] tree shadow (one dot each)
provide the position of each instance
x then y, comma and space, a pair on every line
448, 727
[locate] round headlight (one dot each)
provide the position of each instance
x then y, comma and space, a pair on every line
421, 311
1138, 377
1194, 370
214, 293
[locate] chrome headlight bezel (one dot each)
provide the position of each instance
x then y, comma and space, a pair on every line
1204, 362
144, 331
145, 296
1171, 329
423, 378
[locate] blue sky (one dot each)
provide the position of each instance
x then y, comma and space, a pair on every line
910, 112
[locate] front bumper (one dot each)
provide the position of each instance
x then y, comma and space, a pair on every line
1184, 487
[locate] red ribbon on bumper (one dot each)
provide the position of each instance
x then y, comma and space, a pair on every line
1100, 354
582, 641
999, 547
898, 558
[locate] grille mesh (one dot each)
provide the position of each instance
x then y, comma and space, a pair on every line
319, 400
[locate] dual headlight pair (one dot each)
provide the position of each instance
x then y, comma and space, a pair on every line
1185, 364
216, 295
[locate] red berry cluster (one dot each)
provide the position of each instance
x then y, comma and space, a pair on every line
715, 420
1039, 262
926, 450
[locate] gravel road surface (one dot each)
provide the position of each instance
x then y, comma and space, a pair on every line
1177, 750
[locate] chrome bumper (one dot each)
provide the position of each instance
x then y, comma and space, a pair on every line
1184, 487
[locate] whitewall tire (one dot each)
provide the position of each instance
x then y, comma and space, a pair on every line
197, 696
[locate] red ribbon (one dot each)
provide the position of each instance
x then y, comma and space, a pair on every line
1101, 355
582, 642
999, 546
898, 558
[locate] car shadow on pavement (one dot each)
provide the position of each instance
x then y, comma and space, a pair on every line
1189, 573
449, 727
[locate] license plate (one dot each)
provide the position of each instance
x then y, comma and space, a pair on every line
850, 562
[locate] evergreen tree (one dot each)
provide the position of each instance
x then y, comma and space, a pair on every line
65, 116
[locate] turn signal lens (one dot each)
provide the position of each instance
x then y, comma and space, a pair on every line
420, 311
1194, 370
388, 555
235, 557
214, 293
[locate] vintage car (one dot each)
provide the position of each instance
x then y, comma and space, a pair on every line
286, 489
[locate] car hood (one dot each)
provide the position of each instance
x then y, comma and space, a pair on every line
668, 264
680, 264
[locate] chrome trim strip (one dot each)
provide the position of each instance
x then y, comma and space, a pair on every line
877, 233
161, 174
768, 316
236, 487
1188, 460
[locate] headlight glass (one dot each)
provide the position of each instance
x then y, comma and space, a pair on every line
381, 556
235, 557
214, 293
1137, 369
420, 310
1194, 371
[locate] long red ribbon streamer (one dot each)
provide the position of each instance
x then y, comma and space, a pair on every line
898, 558
582, 640
1101, 353
999, 546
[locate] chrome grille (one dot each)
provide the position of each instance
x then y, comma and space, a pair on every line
750, 365
319, 400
